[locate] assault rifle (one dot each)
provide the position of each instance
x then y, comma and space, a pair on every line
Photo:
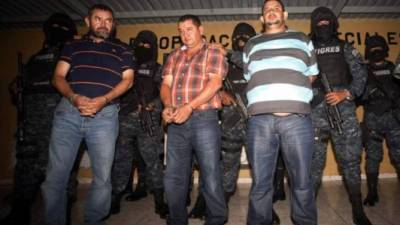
145, 118
239, 103
20, 101
332, 111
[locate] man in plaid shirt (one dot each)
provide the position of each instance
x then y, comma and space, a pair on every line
192, 76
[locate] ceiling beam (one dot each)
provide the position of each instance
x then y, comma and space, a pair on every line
337, 9
198, 12
371, 9
203, 12
33, 19
248, 11
77, 6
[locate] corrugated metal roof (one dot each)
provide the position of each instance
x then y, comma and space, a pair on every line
28, 13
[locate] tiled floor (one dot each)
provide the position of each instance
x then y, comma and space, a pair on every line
333, 207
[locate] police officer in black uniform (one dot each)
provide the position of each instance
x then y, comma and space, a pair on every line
39, 102
127, 156
141, 187
233, 125
381, 113
143, 123
343, 67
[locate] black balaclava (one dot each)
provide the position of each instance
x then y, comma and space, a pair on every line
376, 55
58, 29
324, 33
143, 54
241, 33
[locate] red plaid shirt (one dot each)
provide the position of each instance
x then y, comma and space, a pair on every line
190, 75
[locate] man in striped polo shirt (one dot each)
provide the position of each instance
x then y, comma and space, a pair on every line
192, 77
91, 74
280, 65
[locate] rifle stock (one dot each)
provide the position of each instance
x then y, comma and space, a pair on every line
239, 103
145, 118
146, 121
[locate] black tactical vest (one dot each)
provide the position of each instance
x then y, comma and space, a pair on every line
331, 61
145, 88
39, 72
147, 82
383, 89
239, 84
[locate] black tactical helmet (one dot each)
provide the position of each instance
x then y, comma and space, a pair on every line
375, 41
60, 19
323, 13
241, 29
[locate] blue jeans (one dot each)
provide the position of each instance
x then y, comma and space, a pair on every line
200, 135
100, 133
293, 135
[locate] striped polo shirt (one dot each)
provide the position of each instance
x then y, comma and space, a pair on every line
95, 68
277, 67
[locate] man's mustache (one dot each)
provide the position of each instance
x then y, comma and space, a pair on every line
102, 28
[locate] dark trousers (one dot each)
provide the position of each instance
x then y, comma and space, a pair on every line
200, 135
292, 134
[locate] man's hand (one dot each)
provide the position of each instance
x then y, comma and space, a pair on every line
336, 97
226, 98
82, 104
167, 114
96, 104
182, 113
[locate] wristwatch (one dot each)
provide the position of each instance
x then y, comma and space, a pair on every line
349, 96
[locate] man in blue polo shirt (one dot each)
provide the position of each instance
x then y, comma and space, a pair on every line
91, 74
280, 65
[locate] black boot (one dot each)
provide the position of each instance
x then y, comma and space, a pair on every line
140, 191
372, 197
275, 218
359, 216
160, 207
20, 214
199, 208
115, 203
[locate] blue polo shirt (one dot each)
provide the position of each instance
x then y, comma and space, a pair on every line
96, 68
277, 67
